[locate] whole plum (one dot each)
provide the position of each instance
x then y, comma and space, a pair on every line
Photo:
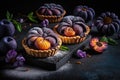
8, 27
7, 43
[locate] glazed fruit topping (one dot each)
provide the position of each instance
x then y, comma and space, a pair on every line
42, 38
69, 32
71, 26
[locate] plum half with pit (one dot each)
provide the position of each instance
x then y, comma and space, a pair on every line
7, 43
7, 27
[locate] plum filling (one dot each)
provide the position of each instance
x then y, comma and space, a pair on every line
107, 20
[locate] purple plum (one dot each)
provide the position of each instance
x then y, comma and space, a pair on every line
8, 27
7, 43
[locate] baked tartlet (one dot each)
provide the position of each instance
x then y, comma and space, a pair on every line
41, 42
72, 29
51, 11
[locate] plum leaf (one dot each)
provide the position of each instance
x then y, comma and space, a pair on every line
9, 16
104, 39
112, 41
17, 25
64, 48
108, 40
31, 17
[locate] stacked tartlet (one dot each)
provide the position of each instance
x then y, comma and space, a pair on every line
53, 12
72, 29
41, 42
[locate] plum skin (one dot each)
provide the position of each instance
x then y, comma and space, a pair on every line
8, 27
7, 43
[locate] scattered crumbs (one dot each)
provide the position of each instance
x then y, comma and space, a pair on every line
24, 27
88, 55
68, 61
86, 48
78, 62
14, 36
30, 24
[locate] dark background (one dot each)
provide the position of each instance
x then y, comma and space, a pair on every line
105, 66
26, 6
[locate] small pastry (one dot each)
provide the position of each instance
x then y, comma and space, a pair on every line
72, 29
53, 12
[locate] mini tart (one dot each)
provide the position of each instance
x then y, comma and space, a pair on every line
71, 40
52, 18
41, 53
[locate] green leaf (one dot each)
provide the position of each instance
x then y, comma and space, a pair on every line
104, 39
31, 17
9, 16
30, 14
17, 25
64, 48
112, 41
33, 20
19, 28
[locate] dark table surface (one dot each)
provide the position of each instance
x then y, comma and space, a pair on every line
105, 66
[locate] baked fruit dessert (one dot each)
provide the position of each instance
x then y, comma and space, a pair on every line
72, 29
85, 12
52, 12
41, 42
107, 23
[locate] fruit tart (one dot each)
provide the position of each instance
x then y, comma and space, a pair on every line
51, 11
41, 42
72, 29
